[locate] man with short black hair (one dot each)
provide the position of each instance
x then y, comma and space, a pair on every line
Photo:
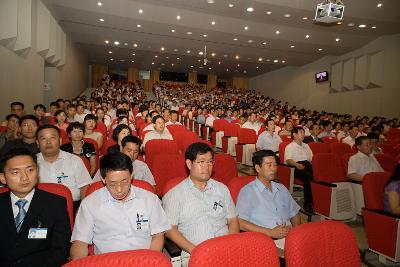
35, 224
199, 208
17, 108
11, 130
118, 216
314, 132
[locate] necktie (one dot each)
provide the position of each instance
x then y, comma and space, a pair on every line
21, 213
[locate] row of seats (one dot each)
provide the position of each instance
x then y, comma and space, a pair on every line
326, 243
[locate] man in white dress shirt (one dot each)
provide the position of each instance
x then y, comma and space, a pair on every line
269, 140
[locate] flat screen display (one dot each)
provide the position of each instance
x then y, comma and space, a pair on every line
321, 76
144, 74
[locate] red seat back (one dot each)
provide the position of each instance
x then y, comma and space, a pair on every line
387, 162
340, 148
327, 167
329, 139
64, 137
173, 128
345, 161
219, 125
247, 136
182, 136
388, 149
236, 184
243, 249
232, 129
106, 145
373, 188
224, 168
282, 147
159, 146
286, 138
284, 174
131, 258
325, 243
171, 183
318, 147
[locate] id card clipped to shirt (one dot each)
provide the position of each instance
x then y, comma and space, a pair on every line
141, 223
37, 233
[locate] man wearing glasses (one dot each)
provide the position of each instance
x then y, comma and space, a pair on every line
199, 208
118, 216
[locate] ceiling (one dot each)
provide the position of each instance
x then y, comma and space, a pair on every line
150, 35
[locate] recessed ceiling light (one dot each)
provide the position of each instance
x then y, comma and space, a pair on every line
287, 15
133, 54
116, 43
178, 17
257, 67
351, 24
276, 61
211, 1
260, 59
191, 66
219, 62
176, 50
373, 27
292, 46
125, 43
138, 25
135, 45
227, 69
106, 41
250, 41
110, 52
339, 23
230, 5
379, 5
152, 63
362, 26
283, 61
304, 18
188, 51
235, 39
268, 60
140, 11
308, 36
250, 9
201, 53
133, 61
172, 64
225, 55
213, 54
167, 57
99, 3
189, 33
246, 28
102, 20
198, 60
204, 35
337, 39
122, 60
212, 22
269, 12
209, 68
264, 43
156, 56
277, 32
111, 59
237, 57
178, 58
162, 48
238, 65
320, 49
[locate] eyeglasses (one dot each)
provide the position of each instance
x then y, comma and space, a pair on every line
123, 183
203, 163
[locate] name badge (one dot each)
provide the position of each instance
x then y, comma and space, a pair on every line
141, 223
37, 233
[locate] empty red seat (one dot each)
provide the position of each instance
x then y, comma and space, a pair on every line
159, 146
340, 148
245, 136
224, 168
387, 162
318, 147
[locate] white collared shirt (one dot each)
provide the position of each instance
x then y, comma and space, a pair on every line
14, 200
68, 170
362, 164
298, 152
252, 125
113, 225
266, 140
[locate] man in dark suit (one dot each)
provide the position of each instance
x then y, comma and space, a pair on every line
34, 224
315, 130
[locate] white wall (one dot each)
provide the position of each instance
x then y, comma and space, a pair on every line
297, 84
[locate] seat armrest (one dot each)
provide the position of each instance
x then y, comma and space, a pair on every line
354, 182
384, 212
325, 183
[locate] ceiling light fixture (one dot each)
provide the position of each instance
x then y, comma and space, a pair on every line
219, 62
139, 26
277, 32
140, 11
246, 28
351, 24
304, 18
269, 12
264, 43
133, 54
276, 61
230, 5
110, 52
152, 63
235, 39
362, 26
188, 33
211, 1
213, 54
308, 36
292, 46
135, 45
188, 51
191, 66
156, 56
178, 17
320, 49
99, 3
201, 53
111, 59
339, 23
172, 30
337, 39
250, 9
283, 61
373, 27
212, 22
106, 41
116, 43
162, 48
125, 43
287, 15
237, 57
133, 61
204, 35
178, 58
379, 5
250, 41
102, 20
260, 59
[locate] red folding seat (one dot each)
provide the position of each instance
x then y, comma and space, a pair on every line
247, 139
318, 147
236, 184
332, 193
231, 130
171, 183
243, 249
106, 145
159, 146
166, 167
224, 168
174, 128
388, 149
285, 175
393, 134
218, 131
184, 137
131, 258
325, 243
329, 139
286, 138
340, 148
387, 162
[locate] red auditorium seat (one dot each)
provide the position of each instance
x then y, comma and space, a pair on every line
185, 137
64, 137
159, 146
138, 183
57, 189
388, 149
332, 193
106, 145
318, 147
166, 167
382, 228
171, 183
329, 139
245, 136
387, 162
231, 130
340, 148
393, 134
218, 126
285, 175
325, 243
345, 161
174, 128
286, 138
127, 258
243, 249
224, 168
237, 183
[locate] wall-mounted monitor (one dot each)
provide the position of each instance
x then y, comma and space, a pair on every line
144, 74
321, 76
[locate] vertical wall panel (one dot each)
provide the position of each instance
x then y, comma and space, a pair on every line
336, 76
348, 74
57, 56
42, 29
24, 38
361, 80
133, 74
192, 77
63, 44
211, 81
8, 21
52, 41
375, 69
